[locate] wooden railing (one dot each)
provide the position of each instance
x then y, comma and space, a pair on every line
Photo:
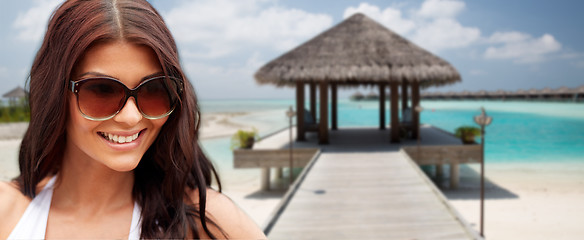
272, 158
445, 154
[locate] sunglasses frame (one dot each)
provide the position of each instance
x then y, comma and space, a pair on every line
75, 85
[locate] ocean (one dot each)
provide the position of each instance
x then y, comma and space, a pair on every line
521, 132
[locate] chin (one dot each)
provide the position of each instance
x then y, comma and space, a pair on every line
123, 164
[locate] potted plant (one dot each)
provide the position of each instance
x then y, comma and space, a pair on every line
467, 134
244, 139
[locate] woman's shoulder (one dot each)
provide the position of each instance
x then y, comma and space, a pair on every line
12, 205
228, 216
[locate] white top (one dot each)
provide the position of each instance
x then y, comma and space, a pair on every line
33, 223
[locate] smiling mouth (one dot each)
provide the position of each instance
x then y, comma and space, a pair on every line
118, 138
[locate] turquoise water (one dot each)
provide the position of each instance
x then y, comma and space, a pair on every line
521, 132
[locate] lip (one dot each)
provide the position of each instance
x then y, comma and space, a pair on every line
124, 146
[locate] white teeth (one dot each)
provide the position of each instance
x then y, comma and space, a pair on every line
120, 139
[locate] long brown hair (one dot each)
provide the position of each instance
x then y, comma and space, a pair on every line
172, 167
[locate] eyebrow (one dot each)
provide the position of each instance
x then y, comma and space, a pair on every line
97, 74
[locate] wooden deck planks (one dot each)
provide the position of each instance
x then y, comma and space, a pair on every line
373, 195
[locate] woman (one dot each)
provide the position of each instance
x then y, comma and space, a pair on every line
111, 150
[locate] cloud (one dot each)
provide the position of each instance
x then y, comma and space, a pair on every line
389, 17
432, 25
232, 81
31, 25
441, 8
508, 37
521, 47
221, 27
443, 34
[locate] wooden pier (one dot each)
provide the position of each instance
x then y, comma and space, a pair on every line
362, 187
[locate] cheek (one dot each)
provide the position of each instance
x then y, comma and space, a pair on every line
77, 125
157, 124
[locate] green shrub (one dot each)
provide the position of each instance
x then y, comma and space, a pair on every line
15, 112
467, 133
244, 139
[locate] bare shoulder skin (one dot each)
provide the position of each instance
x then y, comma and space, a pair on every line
12, 206
234, 223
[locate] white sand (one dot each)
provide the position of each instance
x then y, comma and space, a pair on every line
525, 201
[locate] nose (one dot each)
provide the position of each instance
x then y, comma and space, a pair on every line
129, 115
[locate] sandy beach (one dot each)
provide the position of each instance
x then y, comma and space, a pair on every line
523, 201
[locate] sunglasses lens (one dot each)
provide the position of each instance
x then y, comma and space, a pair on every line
155, 98
100, 98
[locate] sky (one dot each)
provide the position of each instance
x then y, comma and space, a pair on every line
495, 44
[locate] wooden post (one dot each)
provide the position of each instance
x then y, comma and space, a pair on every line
394, 112
415, 103
323, 122
334, 106
439, 173
300, 111
404, 94
454, 175
265, 179
382, 106
313, 100
279, 173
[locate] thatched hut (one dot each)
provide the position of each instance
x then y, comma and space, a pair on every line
372, 96
579, 93
564, 93
520, 94
14, 95
465, 94
482, 94
357, 96
357, 51
532, 93
499, 94
545, 93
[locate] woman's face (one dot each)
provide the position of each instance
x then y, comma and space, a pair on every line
95, 140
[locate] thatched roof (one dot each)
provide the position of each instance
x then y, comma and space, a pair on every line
546, 90
358, 51
18, 92
564, 90
499, 92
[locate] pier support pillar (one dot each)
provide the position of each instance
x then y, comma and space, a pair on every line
334, 120
454, 175
313, 100
323, 121
404, 95
278, 173
439, 174
394, 112
265, 181
415, 103
300, 111
382, 106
